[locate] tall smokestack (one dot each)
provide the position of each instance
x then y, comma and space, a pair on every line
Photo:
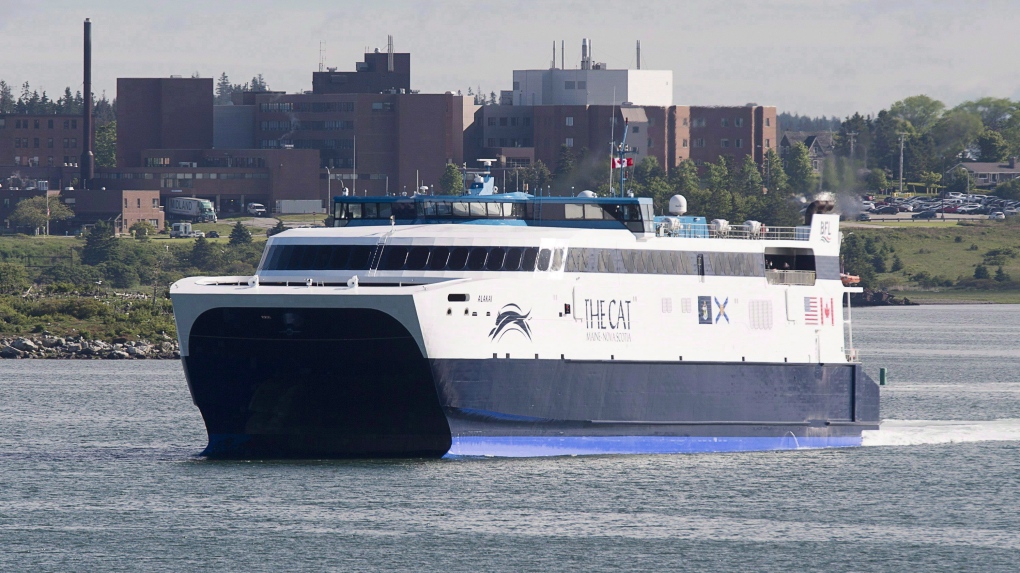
553, 66
584, 53
639, 54
562, 52
389, 53
87, 160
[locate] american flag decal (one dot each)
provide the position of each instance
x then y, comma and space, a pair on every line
819, 311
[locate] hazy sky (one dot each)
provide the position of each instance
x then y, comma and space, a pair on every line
811, 57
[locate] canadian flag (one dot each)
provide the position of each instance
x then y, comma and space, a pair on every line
625, 162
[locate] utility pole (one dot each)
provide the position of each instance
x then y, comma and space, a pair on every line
851, 135
902, 135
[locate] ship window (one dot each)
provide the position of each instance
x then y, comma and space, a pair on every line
360, 255
385, 210
458, 256
701, 265
393, 258
544, 257
338, 258
477, 209
460, 209
417, 258
496, 209
495, 260
592, 212
513, 259
573, 211
476, 259
528, 261
371, 212
320, 256
438, 258
557, 264
354, 211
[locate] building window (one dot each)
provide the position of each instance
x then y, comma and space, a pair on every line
527, 122
570, 121
768, 144
685, 122
517, 85
125, 202
582, 85
636, 151
67, 124
74, 142
49, 161
569, 142
155, 203
139, 205
685, 143
502, 122
492, 142
513, 121
17, 142
49, 143
814, 164
568, 85
724, 143
768, 122
492, 122
74, 124
36, 123
3, 122
725, 122
635, 129
35, 142
738, 143
649, 143
738, 122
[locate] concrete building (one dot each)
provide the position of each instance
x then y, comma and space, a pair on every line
592, 84
162, 113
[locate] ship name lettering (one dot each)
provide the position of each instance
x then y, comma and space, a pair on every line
603, 314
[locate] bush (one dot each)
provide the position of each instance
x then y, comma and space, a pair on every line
981, 272
119, 274
240, 235
13, 278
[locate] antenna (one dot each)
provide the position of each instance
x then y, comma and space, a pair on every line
639, 54
562, 51
553, 66
321, 61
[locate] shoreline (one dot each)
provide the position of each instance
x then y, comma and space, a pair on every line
78, 348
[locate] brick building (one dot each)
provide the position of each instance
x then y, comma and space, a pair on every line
45, 147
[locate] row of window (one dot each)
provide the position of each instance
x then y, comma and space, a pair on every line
155, 203
509, 121
69, 161
307, 143
310, 107
23, 142
307, 125
489, 210
37, 124
570, 85
724, 122
725, 143
508, 142
512, 259
187, 179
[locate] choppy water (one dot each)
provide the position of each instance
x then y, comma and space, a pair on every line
97, 472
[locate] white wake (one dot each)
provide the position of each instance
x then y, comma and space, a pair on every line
922, 432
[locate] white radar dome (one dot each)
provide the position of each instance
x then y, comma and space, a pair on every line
587, 193
677, 205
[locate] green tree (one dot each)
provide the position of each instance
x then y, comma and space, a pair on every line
142, 229
1001, 276
646, 170
202, 254
106, 145
877, 181
992, 146
930, 180
920, 111
1009, 190
536, 176
857, 260
775, 176
240, 235
994, 113
6, 98
566, 162
981, 272
798, 169
277, 229
119, 274
954, 133
101, 244
13, 278
747, 180
452, 181
32, 212
897, 264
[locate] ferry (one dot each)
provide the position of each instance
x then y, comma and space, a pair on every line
505, 324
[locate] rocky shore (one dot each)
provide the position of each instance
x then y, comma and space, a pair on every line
81, 349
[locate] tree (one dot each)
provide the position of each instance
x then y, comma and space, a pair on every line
955, 134
981, 272
202, 254
142, 229
775, 176
119, 274
1001, 276
240, 235
646, 170
992, 146
100, 244
106, 145
995, 113
747, 180
876, 180
32, 212
223, 90
857, 260
536, 176
13, 278
799, 171
920, 111
452, 181
566, 162
1009, 190
6, 98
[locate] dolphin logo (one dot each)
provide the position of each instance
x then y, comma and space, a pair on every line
510, 319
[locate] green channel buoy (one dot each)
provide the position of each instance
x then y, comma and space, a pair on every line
883, 376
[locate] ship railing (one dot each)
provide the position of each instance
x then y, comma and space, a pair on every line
781, 277
712, 231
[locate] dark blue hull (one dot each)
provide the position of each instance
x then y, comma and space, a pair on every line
331, 383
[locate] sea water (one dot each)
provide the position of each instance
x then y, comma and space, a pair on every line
98, 472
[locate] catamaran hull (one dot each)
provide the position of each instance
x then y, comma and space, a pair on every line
354, 383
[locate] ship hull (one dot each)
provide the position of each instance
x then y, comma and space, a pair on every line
353, 382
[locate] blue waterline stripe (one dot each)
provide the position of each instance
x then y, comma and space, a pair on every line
529, 446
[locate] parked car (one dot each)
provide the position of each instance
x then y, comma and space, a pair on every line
888, 210
905, 207
213, 235
997, 216
863, 217
924, 215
